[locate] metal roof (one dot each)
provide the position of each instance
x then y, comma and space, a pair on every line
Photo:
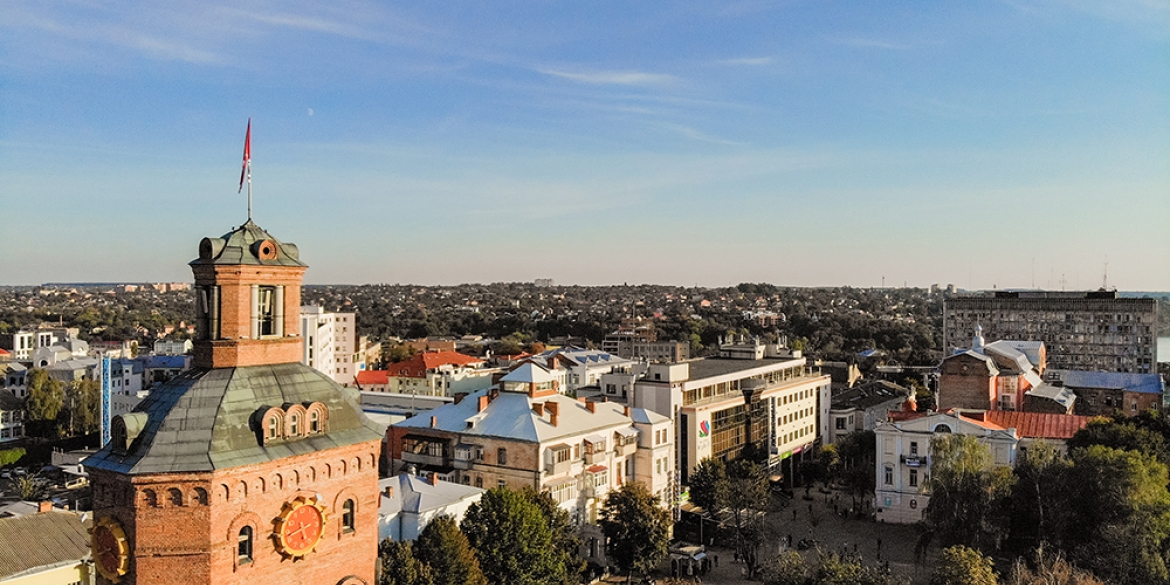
202, 420
1144, 383
239, 247
42, 541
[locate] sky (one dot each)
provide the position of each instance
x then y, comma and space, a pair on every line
1005, 144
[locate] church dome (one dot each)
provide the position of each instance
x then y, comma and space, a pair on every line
210, 419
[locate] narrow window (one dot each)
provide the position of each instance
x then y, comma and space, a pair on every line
294, 425
244, 546
314, 421
913, 478
914, 447
502, 457
273, 428
266, 310
889, 476
347, 516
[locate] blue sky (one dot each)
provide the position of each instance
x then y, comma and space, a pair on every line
799, 143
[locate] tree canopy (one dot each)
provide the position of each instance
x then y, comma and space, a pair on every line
968, 495
445, 549
637, 529
398, 566
960, 565
514, 541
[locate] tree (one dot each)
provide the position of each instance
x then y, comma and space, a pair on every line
397, 565
1121, 435
30, 487
637, 529
45, 399
1049, 569
786, 569
960, 565
1119, 515
968, 494
1038, 498
513, 540
709, 485
10, 456
445, 549
81, 405
564, 536
747, 495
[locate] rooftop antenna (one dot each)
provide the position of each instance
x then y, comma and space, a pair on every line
1105, 277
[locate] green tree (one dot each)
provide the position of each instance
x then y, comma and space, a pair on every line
709, 485
393, 352
397, 565
30, 487
960, 565
786, 569
46, 397
81, 406
1121, 435
513, 540
1039, 497
747, 496
968, 494
564, 536
10, 456
445, 549
1119, 515
637, 529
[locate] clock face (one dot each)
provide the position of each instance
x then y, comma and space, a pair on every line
111, 552
300, 527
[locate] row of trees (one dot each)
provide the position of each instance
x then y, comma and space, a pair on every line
1104, 506
740, 487
524, 538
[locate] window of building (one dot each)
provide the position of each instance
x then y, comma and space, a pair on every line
913, 447
478, 482
314, 421
913, 478
294, 425
502, 483
502, 456
266, 310
889, 475
244, 545
273, 427
561, 454
347, 516
841, 424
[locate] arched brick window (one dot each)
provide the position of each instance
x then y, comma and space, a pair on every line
200, 496
149, 497
348, 517
244, 546
272, 427
175, 495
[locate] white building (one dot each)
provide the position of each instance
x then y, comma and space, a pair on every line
173, 347
409, 502
574, 367
904, 459
331, 344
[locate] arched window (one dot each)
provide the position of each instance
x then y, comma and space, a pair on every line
200, 496
294, 425
273, 427
942, 429
244, 546
347, 516
314, 421
150, 497
176, 496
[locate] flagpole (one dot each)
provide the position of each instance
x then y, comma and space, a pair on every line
249, 188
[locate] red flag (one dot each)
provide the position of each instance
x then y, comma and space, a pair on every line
247, 154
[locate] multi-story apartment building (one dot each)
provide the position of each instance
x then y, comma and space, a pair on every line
863, 406
331, 344
720, 405
574, 367
1081, 330
524, 433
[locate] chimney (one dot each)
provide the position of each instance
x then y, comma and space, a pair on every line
44, 506
483, 402
910, 405
592, 406
459, 396
627, 412
434, 421
389, 491
554, 412
538, 408
581, 399
433, 478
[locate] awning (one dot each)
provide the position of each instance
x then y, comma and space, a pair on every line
628, 432
595, 440
596, 469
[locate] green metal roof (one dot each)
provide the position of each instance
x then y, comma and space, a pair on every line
203, 420
241, 246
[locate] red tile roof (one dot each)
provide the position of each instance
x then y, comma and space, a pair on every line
372, 378
4, 351
417, 366
1038, 425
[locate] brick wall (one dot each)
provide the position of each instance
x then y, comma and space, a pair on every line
965, 382
183, 528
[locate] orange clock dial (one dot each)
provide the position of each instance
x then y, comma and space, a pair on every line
300, 527
111, 552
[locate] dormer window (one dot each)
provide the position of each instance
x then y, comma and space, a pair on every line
273, 426
314, 422
294, 425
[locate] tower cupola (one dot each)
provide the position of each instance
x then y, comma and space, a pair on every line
248, 298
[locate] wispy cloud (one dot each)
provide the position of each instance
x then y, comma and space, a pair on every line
694, 134
612, 77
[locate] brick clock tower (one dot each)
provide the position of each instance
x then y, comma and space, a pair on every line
251, 467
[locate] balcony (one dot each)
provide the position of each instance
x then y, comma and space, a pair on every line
558, 468
595, 457
423, 459
627, 449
